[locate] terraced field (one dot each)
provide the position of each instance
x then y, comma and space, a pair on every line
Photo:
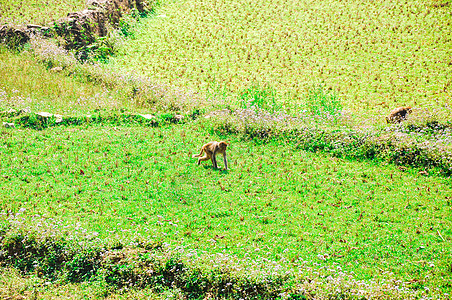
374, 55
274, 203
110, 204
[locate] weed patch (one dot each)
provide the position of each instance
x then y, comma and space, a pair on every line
323, 104
256, 97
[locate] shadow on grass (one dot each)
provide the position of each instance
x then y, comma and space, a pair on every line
220, 170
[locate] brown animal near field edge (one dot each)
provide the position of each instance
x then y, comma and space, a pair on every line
398, 114
210, 150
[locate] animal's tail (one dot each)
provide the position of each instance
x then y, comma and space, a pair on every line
200, 153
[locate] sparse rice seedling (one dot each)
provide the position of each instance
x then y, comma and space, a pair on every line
374, 55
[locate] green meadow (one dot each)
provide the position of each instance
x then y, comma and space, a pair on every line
274, 201
322, 199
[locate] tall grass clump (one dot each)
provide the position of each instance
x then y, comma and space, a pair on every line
259, 97
323, 103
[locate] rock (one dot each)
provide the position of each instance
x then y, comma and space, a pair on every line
82, 28
178, 118
25, 110
13, 37
33, 26
8, 125
12, 112
78, 29
44, 114
147, 116
59, 118
56, 69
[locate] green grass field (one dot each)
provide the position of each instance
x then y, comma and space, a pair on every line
26, 83
309, 216
274, 202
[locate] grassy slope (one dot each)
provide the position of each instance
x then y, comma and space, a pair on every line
368, 218
275, 202
37, 11
24, 82
375, 54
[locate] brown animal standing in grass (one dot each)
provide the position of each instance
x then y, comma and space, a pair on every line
398, 114
211, 150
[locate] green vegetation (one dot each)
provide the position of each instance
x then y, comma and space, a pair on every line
25, 83
374, 55
322, 200
37, 11
276, 202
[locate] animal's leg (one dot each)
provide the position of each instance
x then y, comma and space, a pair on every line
204, 158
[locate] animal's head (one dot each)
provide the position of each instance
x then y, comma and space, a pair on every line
223, 145
408, 109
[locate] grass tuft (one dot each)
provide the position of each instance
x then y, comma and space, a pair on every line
256, 97
324, 104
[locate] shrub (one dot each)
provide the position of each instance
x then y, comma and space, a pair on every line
49, 255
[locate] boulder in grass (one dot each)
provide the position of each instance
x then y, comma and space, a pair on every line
44, 115
147, 116
34, 26
59, 118
56, 69
178, 118
8, 125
